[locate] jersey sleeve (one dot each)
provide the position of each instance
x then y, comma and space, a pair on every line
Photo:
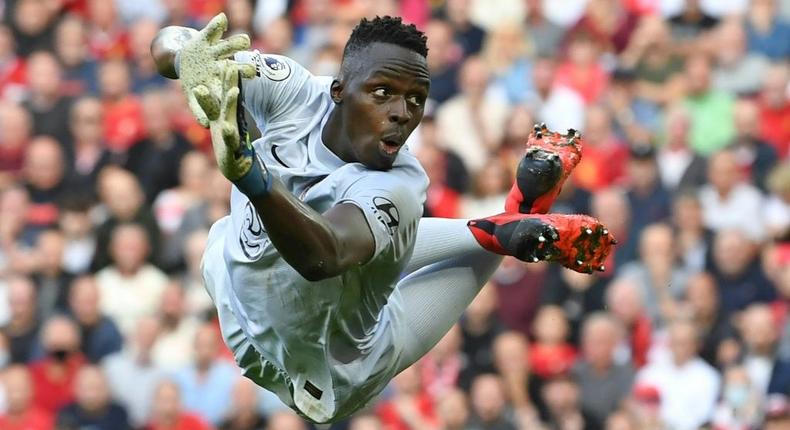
274, 91
392, 208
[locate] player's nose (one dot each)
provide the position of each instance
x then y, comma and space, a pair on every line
399, 111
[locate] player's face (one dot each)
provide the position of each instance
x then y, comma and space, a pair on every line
384, 102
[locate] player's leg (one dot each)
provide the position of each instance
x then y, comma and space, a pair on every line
453, 259
217, 285
435, 295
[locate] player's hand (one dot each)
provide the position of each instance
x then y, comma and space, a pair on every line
203, 66
213, 88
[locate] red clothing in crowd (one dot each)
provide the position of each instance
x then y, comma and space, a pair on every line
391, 417
640, 338
442, 201
123, 123
184, 422
588, 83
13, 79
775, 128
111, 44
602, 165
11, 159
439, 378
53, 390
32, 419
548, 361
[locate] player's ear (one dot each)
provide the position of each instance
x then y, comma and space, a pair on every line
336, 91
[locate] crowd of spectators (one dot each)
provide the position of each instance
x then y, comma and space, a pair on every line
108, 188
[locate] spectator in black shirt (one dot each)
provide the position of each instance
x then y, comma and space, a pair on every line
22, 329
45, 101
155, 160
100, 335
93, 408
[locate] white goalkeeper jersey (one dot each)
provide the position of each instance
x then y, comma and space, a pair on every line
326, 348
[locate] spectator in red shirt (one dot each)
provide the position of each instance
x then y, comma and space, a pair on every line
168, 414
108, 39
21, 414
410, 408
123, 118
774, 107
12, 67
581, 71
609, 23
445, 171
16, 126
604, 157
54, 375
551, 354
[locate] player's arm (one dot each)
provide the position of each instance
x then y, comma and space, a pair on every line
317, 245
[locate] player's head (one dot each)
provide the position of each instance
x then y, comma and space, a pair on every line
381, 90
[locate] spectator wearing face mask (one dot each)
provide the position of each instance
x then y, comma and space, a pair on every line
54, 375
739, 407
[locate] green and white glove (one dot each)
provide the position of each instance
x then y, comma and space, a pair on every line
212, 84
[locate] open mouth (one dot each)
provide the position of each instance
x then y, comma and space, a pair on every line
390, 146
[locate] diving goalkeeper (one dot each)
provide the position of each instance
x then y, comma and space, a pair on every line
326, 280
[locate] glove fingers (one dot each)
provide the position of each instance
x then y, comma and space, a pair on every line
229, 104
231, 45
230, 136
214, 29
207, 101
247, 70
196, 109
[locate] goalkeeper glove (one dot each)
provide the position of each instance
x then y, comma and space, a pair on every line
212, 84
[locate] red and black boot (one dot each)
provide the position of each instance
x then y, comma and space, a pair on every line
578, 242
549, 160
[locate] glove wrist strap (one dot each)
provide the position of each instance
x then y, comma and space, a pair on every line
257, 182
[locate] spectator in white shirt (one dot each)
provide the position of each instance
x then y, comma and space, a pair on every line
173, 347
130, 287
132, 374
688, 386
777, 207
728, 202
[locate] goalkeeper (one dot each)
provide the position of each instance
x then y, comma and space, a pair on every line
326, 281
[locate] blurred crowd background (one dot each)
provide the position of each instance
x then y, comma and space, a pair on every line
108, 187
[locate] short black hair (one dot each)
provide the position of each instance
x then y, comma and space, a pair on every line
386, 29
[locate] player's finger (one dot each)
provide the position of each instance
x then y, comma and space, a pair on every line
196, 109
207, 101
214, 29
231, 45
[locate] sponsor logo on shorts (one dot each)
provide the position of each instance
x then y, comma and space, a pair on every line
387, 213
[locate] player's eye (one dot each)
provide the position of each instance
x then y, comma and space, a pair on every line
415, 101
381, 92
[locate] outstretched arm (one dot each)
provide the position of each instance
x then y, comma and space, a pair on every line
316, 245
